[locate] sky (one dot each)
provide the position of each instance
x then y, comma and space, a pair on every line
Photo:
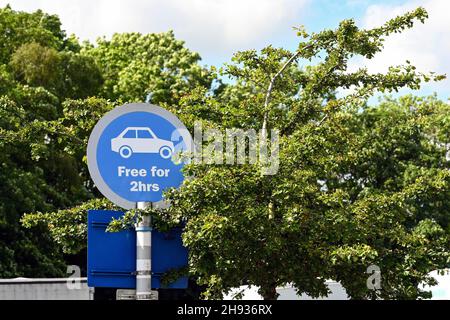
217, 28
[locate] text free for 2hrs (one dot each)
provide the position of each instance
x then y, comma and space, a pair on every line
139, 186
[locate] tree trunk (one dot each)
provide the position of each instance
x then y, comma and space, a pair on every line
269, 293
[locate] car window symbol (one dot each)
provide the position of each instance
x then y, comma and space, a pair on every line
130, 134
144, 134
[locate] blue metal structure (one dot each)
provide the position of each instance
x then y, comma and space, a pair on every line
112, 255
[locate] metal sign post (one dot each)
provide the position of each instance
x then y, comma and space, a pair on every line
143, 256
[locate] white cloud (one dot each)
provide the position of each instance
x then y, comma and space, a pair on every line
212, 27
427, 45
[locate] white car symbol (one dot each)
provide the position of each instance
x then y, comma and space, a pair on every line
141, 140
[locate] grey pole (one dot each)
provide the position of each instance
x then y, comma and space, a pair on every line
143, 256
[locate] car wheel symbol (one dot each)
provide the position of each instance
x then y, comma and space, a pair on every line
125, 152
165, 152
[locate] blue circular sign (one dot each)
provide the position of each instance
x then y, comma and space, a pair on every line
132, 153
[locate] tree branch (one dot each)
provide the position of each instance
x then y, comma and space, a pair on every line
272, 83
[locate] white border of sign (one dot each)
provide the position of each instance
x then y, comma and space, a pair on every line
98, 130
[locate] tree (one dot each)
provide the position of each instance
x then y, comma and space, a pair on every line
24, 188
36, 65
67, 74
356, 186
80, 76
50, 89
29, 253
135, 66
18, 28
38, 71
